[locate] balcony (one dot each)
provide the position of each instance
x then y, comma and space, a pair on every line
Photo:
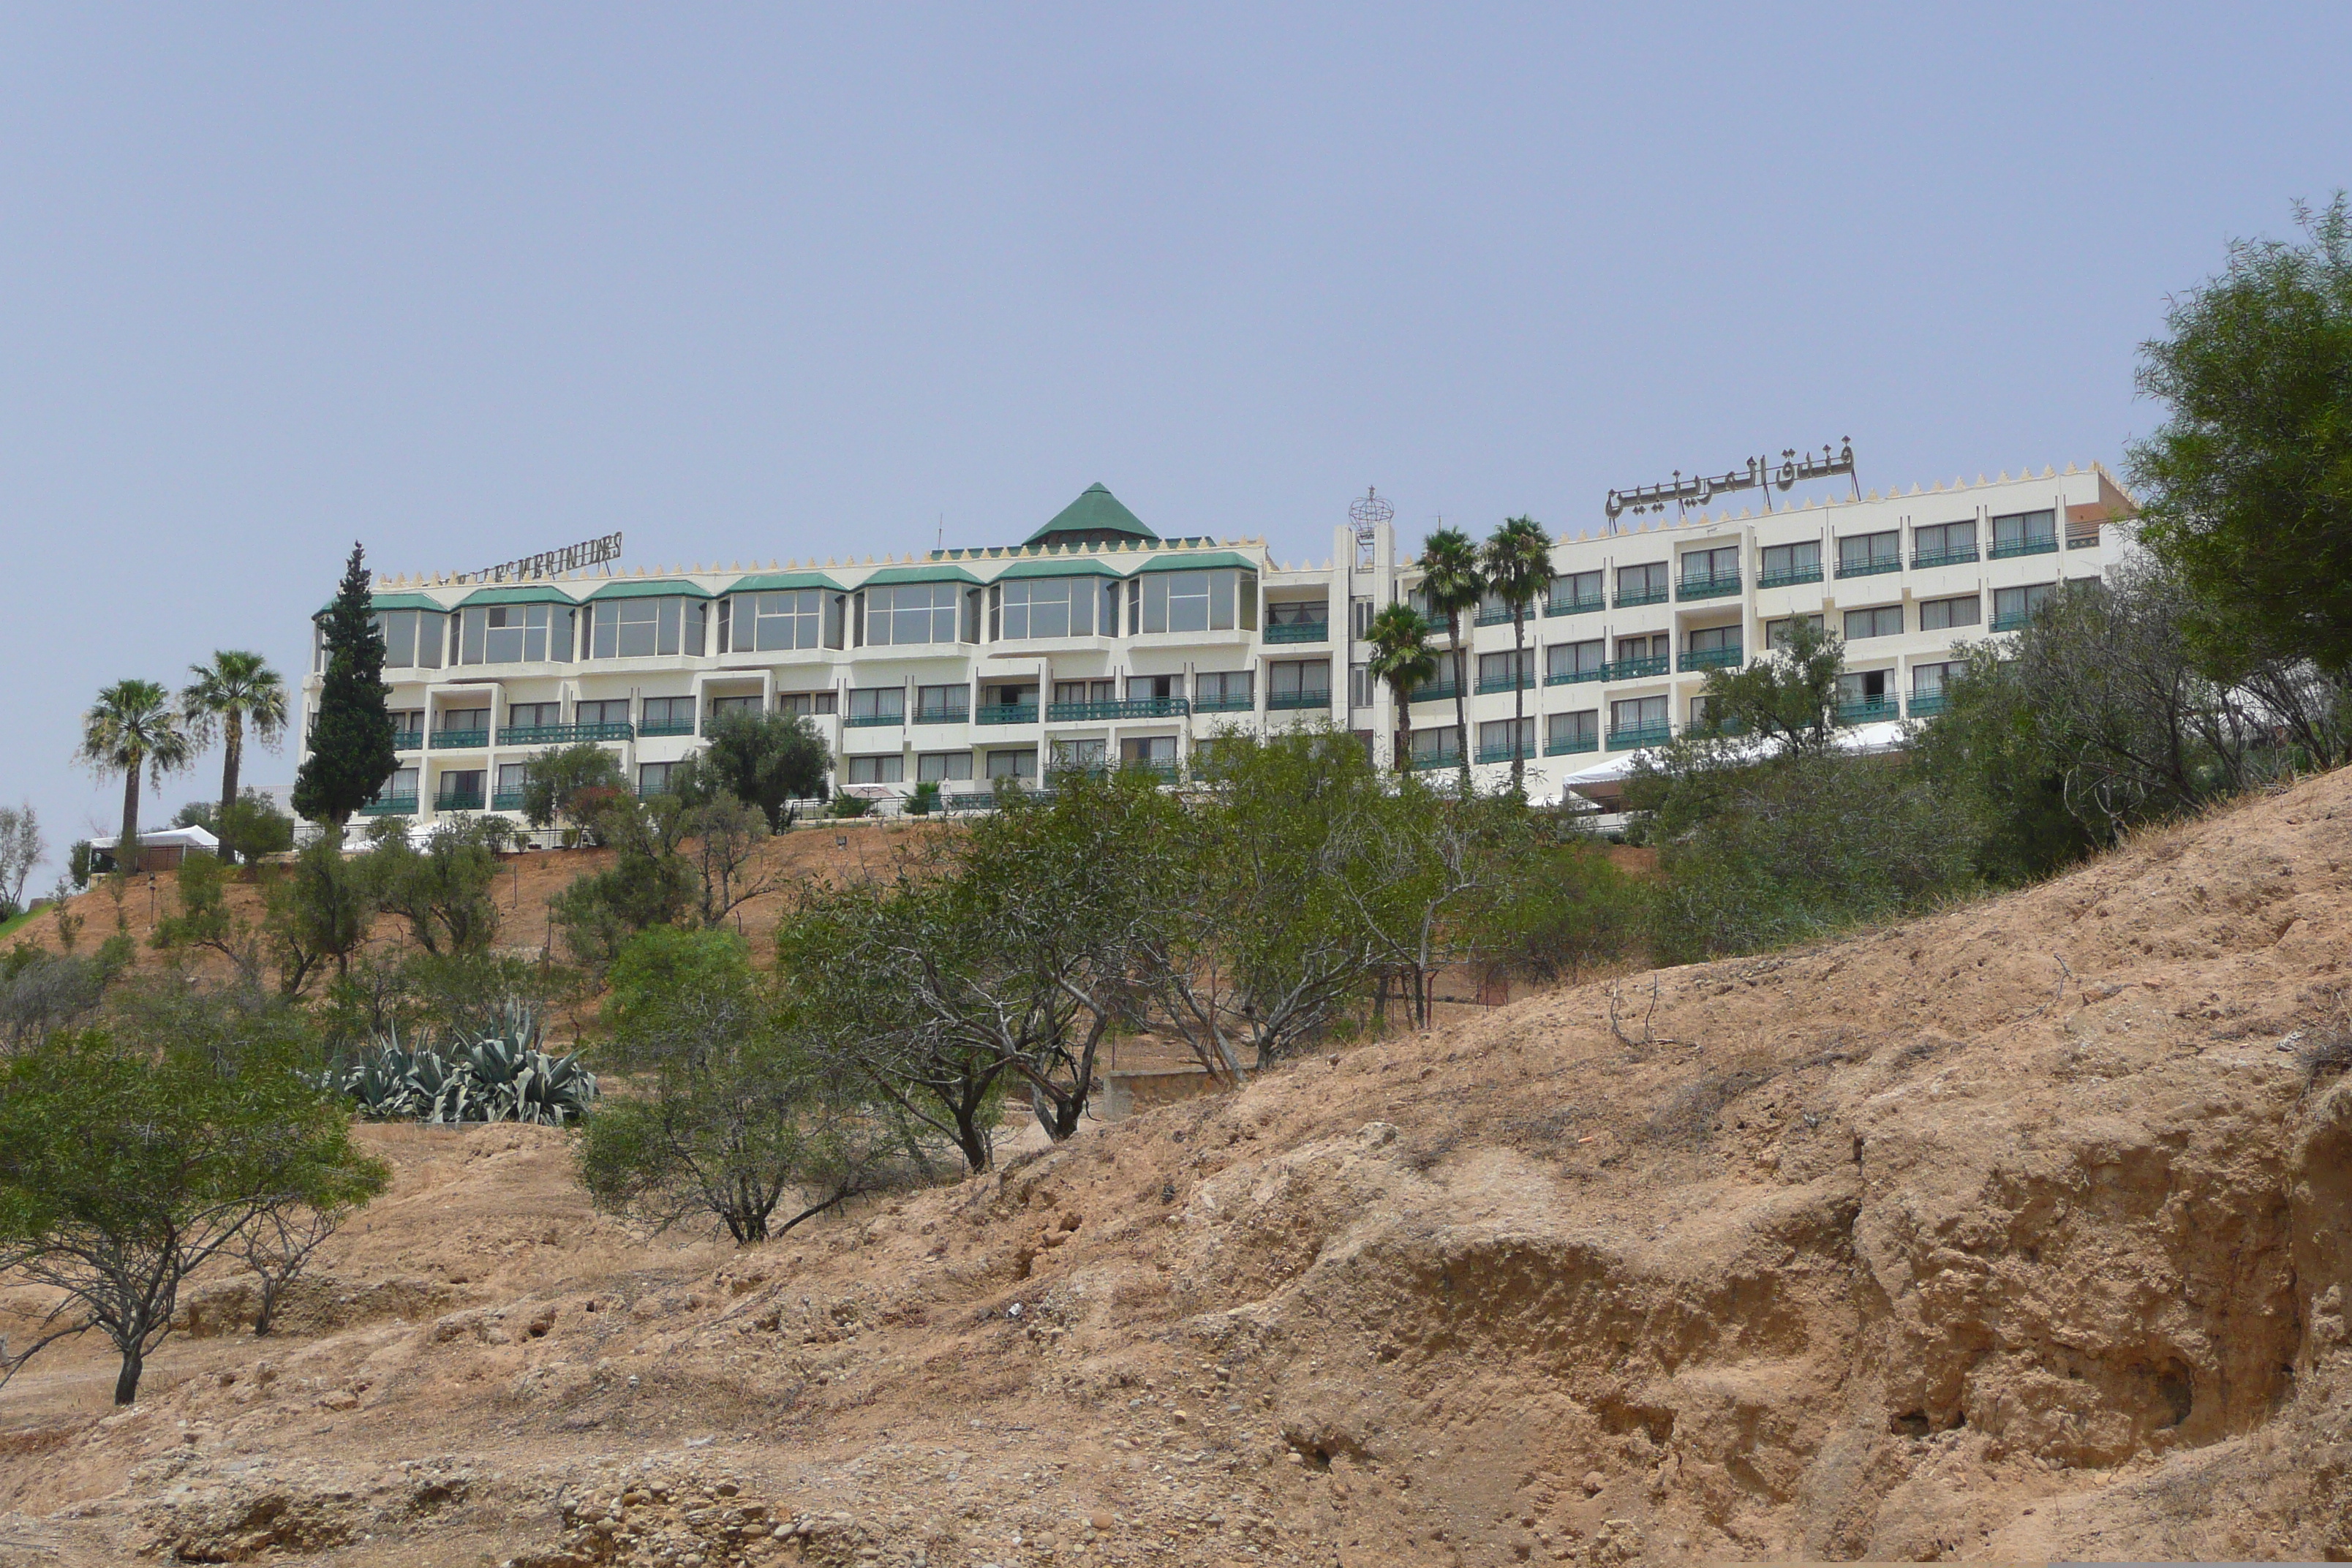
1005, 713
1868, 710
1224, 704
390, 805
1711, 659
1275, 701
1441, 693
408, 740
1134, 708
1926, 558
565, 734
1789, 576
1708, 587
1635, 738
505, 800
1634, 669
458, 800
2082, 540
2013, 621
1490, 684
957, 714
1424, 761
2014, 547
1927, 704
1506, 752
1575, 677
1500, 617
1877, 566
970, 800
872, 720
1574, 606
662, 732
1570, 744
1164, 771
460, 740
1647, 596
1298, 631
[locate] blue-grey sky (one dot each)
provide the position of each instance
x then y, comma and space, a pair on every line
463, 282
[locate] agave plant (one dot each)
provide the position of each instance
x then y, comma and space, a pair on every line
486, 1075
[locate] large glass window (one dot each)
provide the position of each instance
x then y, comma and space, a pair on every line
608, 710
911, 613
720, 707
889, 770
941, 767
1940, 614
1226, 690
1787, 563
1021, 764
412, 638
1038, 608
1572, 731
1641, 584
1930, 680
1780, 632
464, 721
2025, 533
1885, 621
807, 704
2012, 607
1720, 564
1199, 601
653, 778
1944, 543
1578, 589
1638, 714
646, 628
1861, 554
1309, 677
782, 622
1575, 660
942, 704
1080, 755
514, 634
533, 715
878, 704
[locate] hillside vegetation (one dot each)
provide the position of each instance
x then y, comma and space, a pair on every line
2018, 1231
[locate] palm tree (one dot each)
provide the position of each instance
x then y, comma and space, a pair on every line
1401, 657
236, 690
1450, 584
1517, 563
132, 725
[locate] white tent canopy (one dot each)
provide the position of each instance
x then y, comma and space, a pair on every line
165, 839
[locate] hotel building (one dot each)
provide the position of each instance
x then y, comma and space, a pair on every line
1099, 643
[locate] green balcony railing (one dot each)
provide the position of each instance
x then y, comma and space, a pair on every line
1635, 737
460, 739
1712, 657
1500, 617
662, 732
1965, 557
1164, 771
1716, 587
1424, 761
1298, 631
873, 721
1440, 693
1574, 606
1224, 704
2016, 547
505, 800
2014, 620
1868, 710
1489, 684
408, 740
1133, 708
970, 800
458, 800
1565, 745
1873, 567
1005, 713
390, 805
1504, 751
1648, 596
1574, 676
1788, 576
564, 734
1275, 701
1635, 668
958, 714
1927, 704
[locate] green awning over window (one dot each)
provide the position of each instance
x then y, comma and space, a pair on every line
782, 581
522, 594
1206, 561
650, 588
394, 602
890, 575
1059, 567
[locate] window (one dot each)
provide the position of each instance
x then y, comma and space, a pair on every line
514, 634
1154, 688
510, 785
802, 704
610, 710
1442, 744
461, 790
1572, 731
940, 767
1714, 640
1149, 751
1716, 565
1043, 607
653, 778
1786, 563
458, 720
1080, 691
406, 722
1223, 691
2024, 533
1305, 677
942, 705
1359, 618
878, 705
1496, 739
644, 628
401, 786
1359, 686
887, 769
1495, 669
1944, 543
1659, 646
1203, 601
911, 613
1866, 695
796, 618
1315, 614
1941, 615
534, 715
1638, 715
1701, 707
1886, 621
1009, 696
720, 707
1641, 584
1013, 764
1579, 589
412, 638
1568, 661
1930, 680
1863, 554
1083, 754
1777, 633
2012, 607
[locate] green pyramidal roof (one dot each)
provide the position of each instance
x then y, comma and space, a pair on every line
1097, 517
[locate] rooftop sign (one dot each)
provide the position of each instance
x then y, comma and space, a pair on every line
1760, 472
555, 562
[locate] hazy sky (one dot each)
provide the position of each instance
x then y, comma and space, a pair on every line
468, 282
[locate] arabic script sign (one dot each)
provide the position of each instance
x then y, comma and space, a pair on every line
555, 562
1760, 472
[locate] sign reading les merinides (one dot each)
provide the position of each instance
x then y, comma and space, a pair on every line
555, 562
1701, 489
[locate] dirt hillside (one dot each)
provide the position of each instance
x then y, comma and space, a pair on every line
2021, 1232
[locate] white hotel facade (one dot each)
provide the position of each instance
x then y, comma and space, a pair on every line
1099, 643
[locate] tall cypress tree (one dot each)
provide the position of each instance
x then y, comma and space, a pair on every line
351, 739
